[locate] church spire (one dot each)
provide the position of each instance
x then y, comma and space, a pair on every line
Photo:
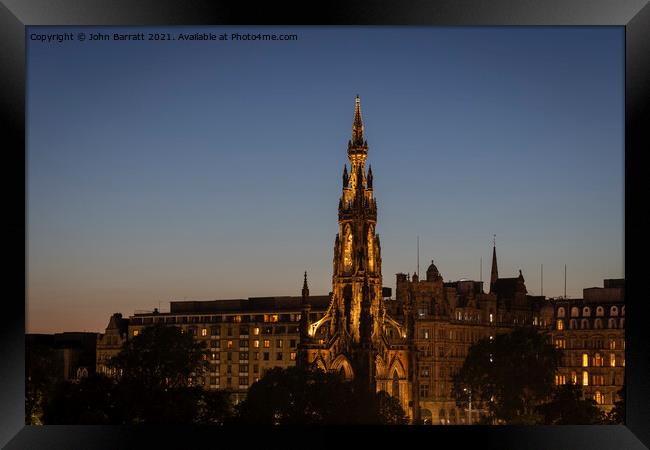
357, 125
495, 271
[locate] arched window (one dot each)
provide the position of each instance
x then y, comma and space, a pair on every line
613, 311
347, 248
575, 312
585, 378
584, 324
623, 311
371, 249
598, 324
622, 323
612, 323
600, 311
585, 360
586, 311
560, 324
560, 312
395, 387
442, 416
573, 324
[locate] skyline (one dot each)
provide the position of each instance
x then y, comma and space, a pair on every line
189, 181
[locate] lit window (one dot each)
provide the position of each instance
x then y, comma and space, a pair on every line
256, 331
267, 343
599, 398
585, 360
612, 359
237, 319
278, 343
574, 377
292, 356
204, 331
135, 332
612, 344
585, 378
256, 343
491, 317
229, 344
273, 318
598, 360
560, 325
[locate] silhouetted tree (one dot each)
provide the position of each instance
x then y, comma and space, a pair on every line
161, 357
508, 376
568, 407
91, 400
42, 371
617, 414
311, 396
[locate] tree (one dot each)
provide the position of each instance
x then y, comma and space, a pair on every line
509, 375
568, 407
310, 396
42, 367
161, 357
91, 400
617, 414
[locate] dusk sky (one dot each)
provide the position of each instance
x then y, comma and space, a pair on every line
206, 170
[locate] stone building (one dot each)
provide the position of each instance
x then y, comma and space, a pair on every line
591, 333
110, 343
73, 353
448, 318
245, 337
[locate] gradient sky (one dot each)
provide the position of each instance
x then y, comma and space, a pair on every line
203, 170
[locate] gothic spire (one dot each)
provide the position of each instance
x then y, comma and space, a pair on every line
495, 271
357, 125
305, 288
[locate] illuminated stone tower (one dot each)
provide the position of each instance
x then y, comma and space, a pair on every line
357, 260
356, 337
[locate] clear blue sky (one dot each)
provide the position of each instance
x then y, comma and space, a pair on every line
165, 170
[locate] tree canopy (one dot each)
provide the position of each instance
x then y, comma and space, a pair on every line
161, 357
568, 407
508, 375
310, 396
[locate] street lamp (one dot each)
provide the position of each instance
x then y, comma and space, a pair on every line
469, 392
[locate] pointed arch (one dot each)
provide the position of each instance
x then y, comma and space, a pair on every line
341, 362
397, 366
319, 363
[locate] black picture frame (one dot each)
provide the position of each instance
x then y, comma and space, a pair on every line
15, 15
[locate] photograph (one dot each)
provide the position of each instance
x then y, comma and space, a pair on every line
325, 225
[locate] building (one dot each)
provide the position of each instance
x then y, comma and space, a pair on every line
245, 337
448, 318
591, 333
73, 352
